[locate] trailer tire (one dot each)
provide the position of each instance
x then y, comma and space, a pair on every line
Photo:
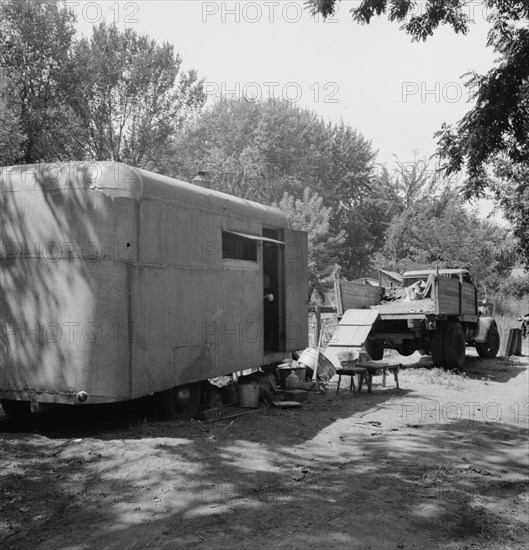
489, 348
17, 410
454, 346
180, 402
437, 345
374, 348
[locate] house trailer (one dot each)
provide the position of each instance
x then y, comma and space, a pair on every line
116, 283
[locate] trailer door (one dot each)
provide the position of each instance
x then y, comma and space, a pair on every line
296, 334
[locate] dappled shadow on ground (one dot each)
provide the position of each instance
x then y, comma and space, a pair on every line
330, 475
499, 370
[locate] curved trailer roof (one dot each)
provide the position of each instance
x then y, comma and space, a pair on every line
121, 180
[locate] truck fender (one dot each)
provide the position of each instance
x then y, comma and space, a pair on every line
480, 332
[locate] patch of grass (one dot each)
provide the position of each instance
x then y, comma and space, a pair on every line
439, 377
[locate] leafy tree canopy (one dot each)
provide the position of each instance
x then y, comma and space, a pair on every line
499, 121
115, 96
309, 214
132, 95
35, 44
261, 149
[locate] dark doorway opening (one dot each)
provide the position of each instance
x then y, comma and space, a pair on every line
273, 292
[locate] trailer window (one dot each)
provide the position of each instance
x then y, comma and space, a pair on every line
235, 247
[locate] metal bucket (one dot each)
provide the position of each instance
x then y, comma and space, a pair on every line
325, 367
248, 394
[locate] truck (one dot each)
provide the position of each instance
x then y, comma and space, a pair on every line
437, 313
118, 283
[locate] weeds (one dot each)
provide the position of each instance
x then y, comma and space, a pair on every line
439, 377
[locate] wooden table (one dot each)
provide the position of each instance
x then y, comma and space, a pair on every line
373, 367
352, 371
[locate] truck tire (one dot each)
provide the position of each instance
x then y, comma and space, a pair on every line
181, 402
490, 347
374, 348
454, 346
405, 348
437, 345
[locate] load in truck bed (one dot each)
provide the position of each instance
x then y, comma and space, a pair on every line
401, 308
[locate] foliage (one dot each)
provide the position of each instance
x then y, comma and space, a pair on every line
309, 214
134, 97
437, 229
116, 96
509, 184
499, 121
35, 45
259, 150
11, 137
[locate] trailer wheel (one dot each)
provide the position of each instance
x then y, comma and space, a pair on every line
490, 347
17, 410
181, 402
454, 346
374, 348
437, 345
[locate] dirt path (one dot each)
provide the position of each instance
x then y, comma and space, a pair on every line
440, 464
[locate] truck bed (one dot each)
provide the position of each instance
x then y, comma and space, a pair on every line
447, 297
402, 308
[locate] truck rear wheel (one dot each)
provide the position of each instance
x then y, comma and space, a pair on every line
437, 345
454, 346
181, 402
405, 348
490, 347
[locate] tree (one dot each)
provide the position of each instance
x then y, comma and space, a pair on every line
509, 184
259, 150
255, 150
440, 231
309, 214
11, 136
132, 96
35, 46
499, 121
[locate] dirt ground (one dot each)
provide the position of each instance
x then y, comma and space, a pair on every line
440, 464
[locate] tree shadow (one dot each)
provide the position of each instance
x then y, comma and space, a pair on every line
281, 479
56, 232
498, 369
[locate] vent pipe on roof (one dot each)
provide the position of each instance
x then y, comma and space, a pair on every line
201, 179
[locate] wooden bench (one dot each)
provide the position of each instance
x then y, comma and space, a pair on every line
373, 367
352, 371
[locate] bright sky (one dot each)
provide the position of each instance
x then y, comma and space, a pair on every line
396, 92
